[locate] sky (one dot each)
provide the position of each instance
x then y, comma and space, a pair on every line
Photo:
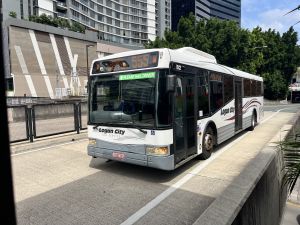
270, 14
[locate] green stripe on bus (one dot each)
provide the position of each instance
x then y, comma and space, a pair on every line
137, 76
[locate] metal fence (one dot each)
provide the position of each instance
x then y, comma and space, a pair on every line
33, 121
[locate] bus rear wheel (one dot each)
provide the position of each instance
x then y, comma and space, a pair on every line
208, 144
253, 121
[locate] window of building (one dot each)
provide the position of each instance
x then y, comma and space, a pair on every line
108, 3
92, 4
109, 12
100, 8
109, 20
84, 8
100, 17
92, 14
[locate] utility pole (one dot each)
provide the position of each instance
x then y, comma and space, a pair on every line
7, 204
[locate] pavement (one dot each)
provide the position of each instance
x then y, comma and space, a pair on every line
61, 184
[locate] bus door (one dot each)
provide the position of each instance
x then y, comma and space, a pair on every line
185, 120
238, 104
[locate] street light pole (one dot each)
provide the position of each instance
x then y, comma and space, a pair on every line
87, 59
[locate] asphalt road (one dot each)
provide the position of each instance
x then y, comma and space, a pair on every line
63, 185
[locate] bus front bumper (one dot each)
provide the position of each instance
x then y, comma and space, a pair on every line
159, 162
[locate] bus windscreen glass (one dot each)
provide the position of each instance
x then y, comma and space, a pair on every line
123, 99
146, 60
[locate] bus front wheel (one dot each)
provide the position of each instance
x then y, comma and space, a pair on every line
208, 144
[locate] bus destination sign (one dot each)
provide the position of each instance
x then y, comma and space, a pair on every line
146, 60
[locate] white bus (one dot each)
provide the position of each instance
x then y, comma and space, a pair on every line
160, 107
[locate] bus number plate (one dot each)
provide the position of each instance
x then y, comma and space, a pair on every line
118, 155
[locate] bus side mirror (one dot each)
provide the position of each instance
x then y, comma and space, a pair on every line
171, 83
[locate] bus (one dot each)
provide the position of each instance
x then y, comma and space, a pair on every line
161, 107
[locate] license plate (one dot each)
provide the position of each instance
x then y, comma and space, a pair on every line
118, 155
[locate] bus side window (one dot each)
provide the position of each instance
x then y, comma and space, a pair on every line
202, 85
216, 92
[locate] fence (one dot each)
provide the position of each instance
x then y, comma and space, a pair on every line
33, 121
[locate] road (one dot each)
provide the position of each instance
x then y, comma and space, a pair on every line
62, 185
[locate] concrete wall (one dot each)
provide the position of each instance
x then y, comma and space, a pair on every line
50, 62
266, 203
256, 195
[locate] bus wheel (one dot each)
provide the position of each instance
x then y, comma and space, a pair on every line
253, 121
208, 144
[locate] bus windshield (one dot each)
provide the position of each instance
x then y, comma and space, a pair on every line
123, 99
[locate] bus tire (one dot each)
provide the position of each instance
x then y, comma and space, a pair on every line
207, 144
253, 121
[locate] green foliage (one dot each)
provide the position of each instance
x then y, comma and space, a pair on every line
291, 155
77, 27
13, 14
275, 86
240, 48
57, 22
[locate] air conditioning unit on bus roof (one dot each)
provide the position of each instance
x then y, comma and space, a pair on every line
197, 54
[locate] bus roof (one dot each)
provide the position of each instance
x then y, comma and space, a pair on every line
187, 55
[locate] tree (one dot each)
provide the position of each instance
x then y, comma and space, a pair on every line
13, 14
291, 155
275, 86
57, 22
240, 48
77, 27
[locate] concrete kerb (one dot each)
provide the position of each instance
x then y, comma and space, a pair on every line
226, 207
21, 147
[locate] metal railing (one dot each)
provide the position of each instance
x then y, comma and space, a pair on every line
33, 121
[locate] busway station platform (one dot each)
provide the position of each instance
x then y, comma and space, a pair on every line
61, 184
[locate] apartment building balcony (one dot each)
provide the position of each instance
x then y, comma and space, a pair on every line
62, 15
61, 5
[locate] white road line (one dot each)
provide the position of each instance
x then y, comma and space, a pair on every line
52, 146
153, 203
270, 117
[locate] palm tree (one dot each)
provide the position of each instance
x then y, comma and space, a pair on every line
291, 155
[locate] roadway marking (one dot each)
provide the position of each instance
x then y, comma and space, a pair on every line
52, 146
158, 199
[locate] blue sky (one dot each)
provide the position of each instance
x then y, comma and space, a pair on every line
270, 14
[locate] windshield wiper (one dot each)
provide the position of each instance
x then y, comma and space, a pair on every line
136, 127
102, 124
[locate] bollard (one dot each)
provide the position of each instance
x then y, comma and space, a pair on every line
30, 122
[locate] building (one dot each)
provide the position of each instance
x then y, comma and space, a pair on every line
222, 9
131, 22
162, 16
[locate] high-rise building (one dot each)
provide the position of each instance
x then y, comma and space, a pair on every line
163, 16
123, 21
222, 9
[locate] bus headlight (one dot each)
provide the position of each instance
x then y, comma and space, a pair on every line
152, 150
92, 141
